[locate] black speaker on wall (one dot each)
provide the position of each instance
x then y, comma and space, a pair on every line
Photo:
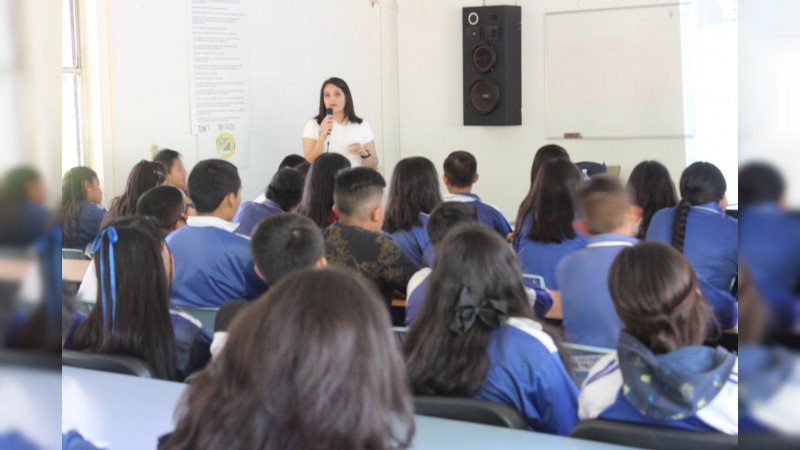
492, 73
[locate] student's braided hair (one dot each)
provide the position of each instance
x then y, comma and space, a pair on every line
701, 182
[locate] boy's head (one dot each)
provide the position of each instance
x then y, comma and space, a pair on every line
284, 243
165, 204
447, 216
214, 186
460, 170
605, 208
358, 197
760, 182
286, 188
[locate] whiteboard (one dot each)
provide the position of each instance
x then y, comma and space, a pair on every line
615, 73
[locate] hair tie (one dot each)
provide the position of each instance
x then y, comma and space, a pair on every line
491, 312
97, 247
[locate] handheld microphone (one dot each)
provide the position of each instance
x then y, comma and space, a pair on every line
328, 113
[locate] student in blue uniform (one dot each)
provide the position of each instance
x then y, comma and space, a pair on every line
699, 228
545, 233
281, 244
412, 196
212, 262
80, 207
653, 190
444, 218
770, 239
24, 215
282, 195
313, 364
460, 173
589, 315
132, 315
661, 374
475, 335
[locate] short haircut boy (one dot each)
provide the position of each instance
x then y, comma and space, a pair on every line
603, 204
760, 182
164, 204
447, 216
286, 188
210, 182
284, 243
460, 168
357, 190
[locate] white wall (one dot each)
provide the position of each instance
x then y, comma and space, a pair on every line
294, 46
431, 102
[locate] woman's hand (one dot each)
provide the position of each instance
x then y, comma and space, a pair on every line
324, 127
358, 149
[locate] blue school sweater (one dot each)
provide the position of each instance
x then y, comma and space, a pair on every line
538, 258
212, 264
415, 242
692, 388
487, 214
525, 372
589, 314
711, 244
251, 214
89, 219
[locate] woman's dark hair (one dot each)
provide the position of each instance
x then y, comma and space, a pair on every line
657, 297
701, 182
544, 154
652, 189
346, 388
142, 327
72, 197
349, 109
439, 361
286, 188
553, 204
164, 204
414, 190
760, 182
166, 157
143, 176
290, 161
318, 190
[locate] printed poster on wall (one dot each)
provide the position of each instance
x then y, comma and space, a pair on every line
219, 79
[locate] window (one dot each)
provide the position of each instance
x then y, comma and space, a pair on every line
71, 82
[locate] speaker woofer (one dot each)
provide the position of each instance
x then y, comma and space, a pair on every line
484, 58
484, 96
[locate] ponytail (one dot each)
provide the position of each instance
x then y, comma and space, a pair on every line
679, 224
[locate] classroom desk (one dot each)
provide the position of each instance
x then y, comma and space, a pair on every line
74, 269
125, 412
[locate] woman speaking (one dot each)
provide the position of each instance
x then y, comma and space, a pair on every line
336, 128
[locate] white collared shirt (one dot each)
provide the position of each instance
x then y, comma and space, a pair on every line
211, 221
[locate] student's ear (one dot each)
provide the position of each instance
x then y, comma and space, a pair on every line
635, 213
260, 275
376, 216
581, 227
335, 210
322, 262
723, 202
446, 181
230, 200
475, 180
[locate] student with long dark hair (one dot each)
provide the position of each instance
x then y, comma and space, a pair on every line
652, 189
347, 388
143, 176
699, 228
131, 316
544, 154
545, 233
412, 196
80, 207
283, 194
341, 131
475, 335
661, 374
317, 198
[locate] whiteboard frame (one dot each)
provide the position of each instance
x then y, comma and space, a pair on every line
686, 135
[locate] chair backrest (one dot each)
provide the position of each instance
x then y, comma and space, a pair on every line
206, 316
400, 334
126, 365
582, 358
71, 253
470, 410
656, 438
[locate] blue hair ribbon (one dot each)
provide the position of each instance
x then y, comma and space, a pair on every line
97, 245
